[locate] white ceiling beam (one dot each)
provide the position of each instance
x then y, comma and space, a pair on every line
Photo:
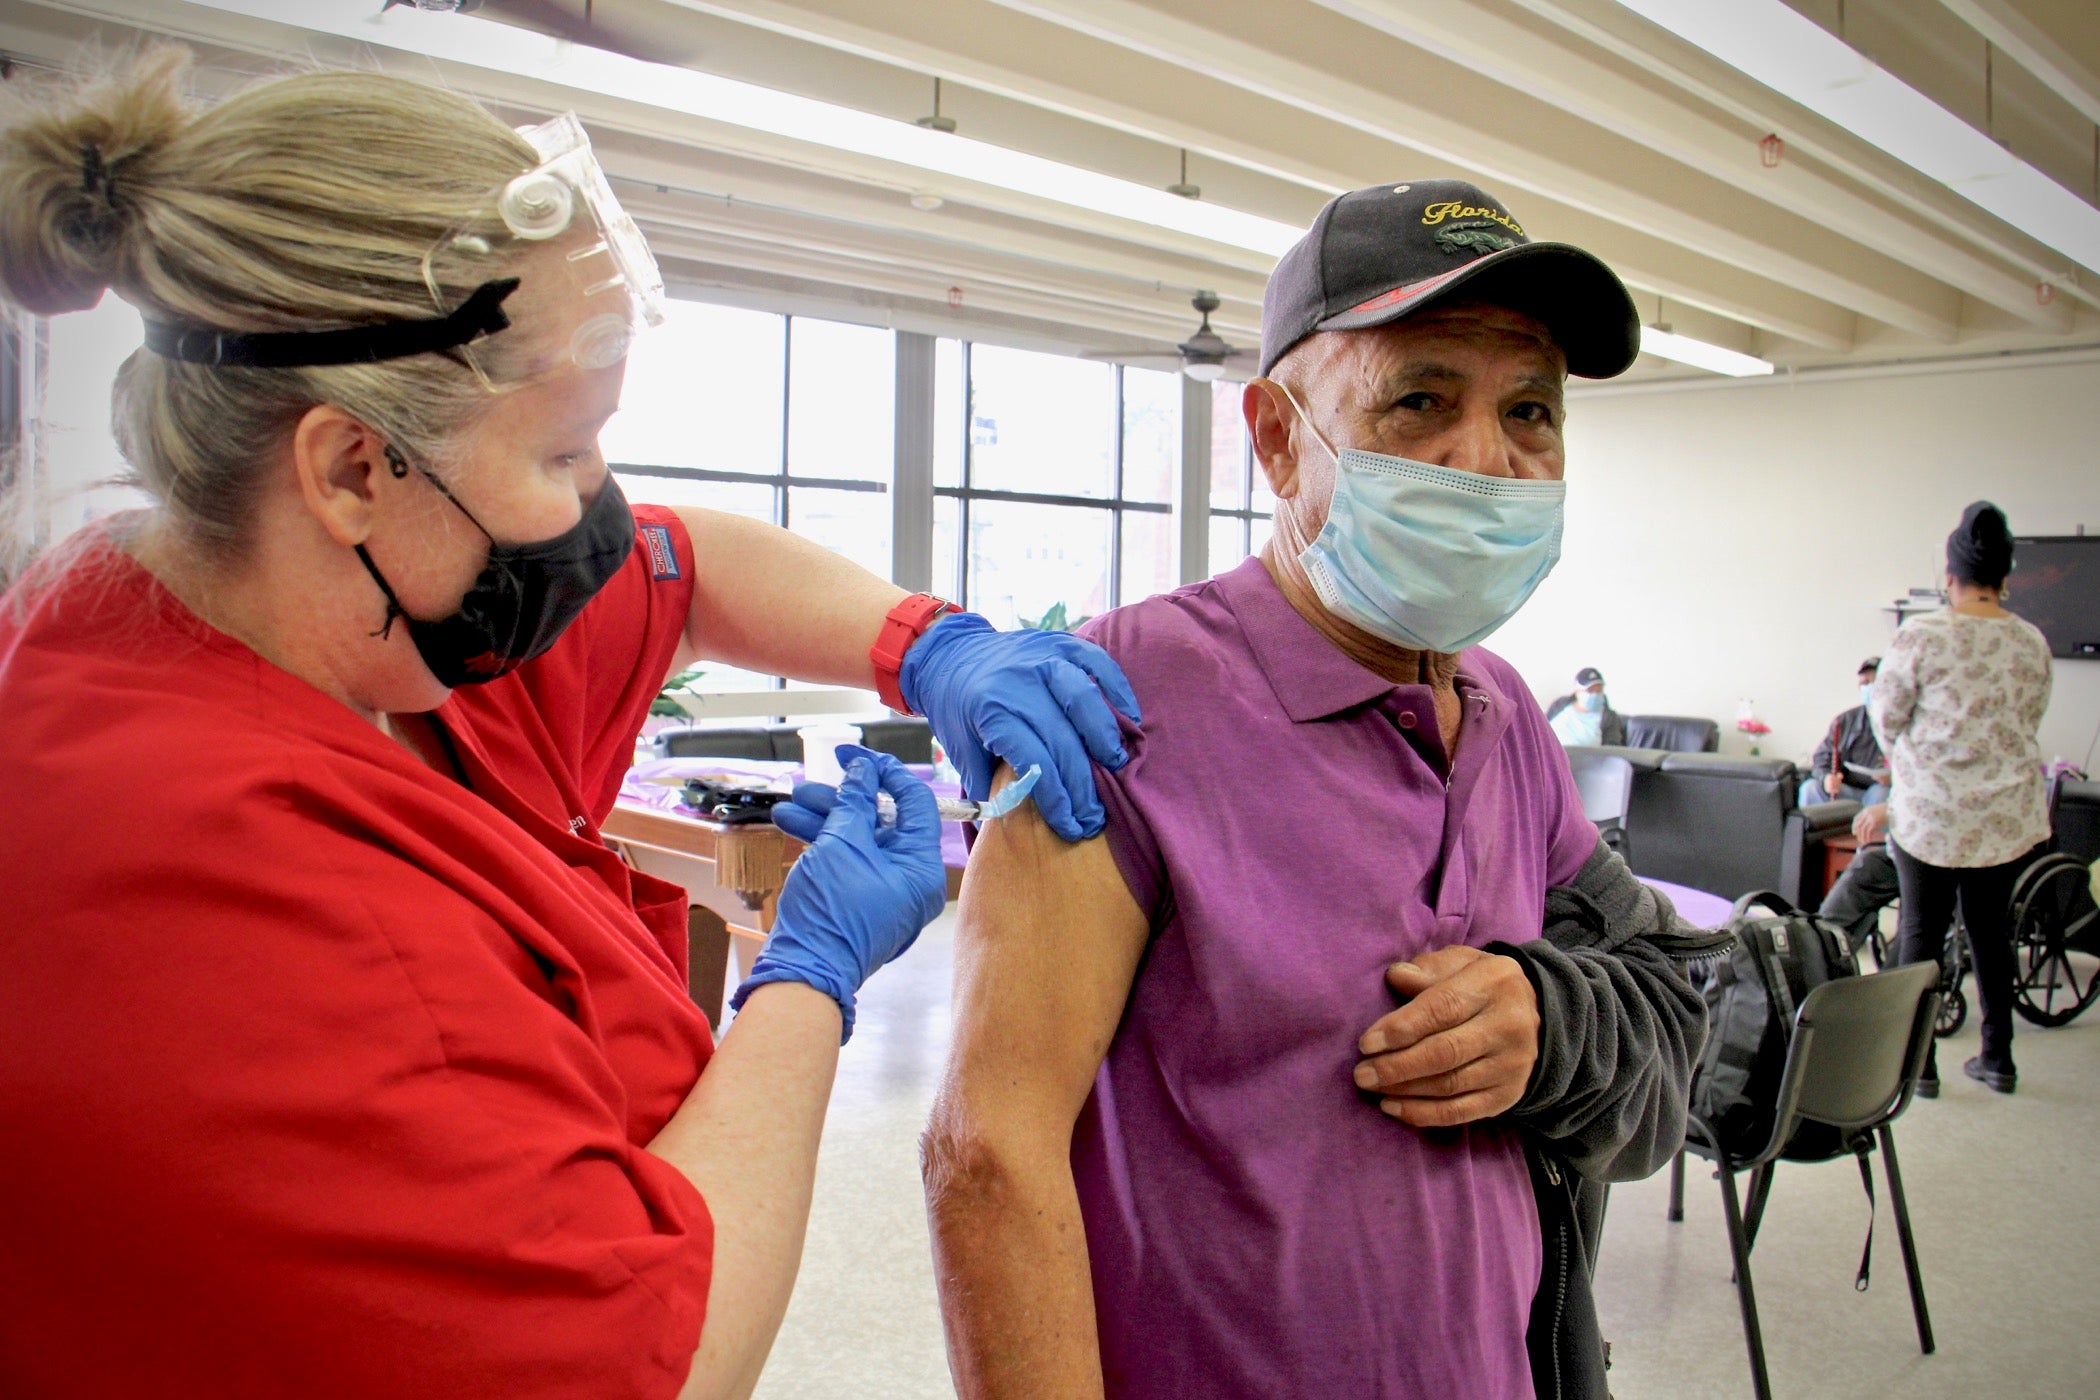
1612, 27
1548, 67
827, 212
1561, 163
1113, 332
598, 110
1096, 299
1153, 100
924, 37
2026, 44
1657, 265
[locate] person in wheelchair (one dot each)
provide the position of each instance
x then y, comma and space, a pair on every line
1869, 884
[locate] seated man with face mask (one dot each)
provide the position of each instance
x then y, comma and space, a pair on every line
1276, 1089
1585, 716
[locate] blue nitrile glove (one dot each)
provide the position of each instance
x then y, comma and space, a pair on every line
861, 892
1025, 697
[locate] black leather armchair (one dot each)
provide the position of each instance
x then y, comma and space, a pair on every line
909, 739
1675, 733
1726, 825
748, 741
2074, 814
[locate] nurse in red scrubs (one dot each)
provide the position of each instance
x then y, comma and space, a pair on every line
338, 1055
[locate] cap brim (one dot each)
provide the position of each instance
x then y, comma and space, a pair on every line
1579, 300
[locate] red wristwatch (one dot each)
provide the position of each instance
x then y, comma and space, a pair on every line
906, 623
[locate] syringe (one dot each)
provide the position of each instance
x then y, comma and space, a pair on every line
959, 809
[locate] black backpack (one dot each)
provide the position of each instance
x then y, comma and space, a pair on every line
1751, 997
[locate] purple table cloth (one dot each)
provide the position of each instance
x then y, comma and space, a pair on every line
1703, 909
780, 775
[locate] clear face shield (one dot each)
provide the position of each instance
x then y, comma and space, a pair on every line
588, 284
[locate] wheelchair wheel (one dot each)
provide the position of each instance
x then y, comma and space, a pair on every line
1881, 947
1954, 1011
1955, 963
2056, 941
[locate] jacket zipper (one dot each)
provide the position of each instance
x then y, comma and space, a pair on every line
1560, 1283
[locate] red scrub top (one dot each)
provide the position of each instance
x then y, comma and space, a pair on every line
320, 1073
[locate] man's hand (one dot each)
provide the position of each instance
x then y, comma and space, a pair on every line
1872, 823
1463, 1047
1833, 783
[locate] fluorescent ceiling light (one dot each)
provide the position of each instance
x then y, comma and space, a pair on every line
1798, 58
505, 48
1701, 355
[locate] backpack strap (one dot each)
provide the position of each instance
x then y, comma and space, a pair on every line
1771, 899
1860, 1148
1781, 988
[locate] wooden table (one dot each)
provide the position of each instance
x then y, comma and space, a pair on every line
732, 876
1838, 850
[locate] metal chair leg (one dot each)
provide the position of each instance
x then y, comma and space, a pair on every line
1910, 1248
1677, 1186
1754, 1208
1739, 1246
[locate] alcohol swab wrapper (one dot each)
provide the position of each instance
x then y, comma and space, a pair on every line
963, 810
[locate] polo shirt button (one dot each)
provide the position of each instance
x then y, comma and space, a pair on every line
1407, 719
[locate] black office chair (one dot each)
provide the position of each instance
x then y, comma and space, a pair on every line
750, 742
1859, 1044
1605, 781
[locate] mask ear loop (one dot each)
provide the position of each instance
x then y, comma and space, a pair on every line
1306, 419
393, 604
398, 467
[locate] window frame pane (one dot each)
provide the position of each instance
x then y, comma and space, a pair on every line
956, 502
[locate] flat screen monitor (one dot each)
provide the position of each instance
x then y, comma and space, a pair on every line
2055, 585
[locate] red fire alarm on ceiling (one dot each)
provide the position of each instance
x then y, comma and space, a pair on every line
1770, 149
955, 298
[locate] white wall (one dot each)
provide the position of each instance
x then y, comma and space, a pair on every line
1740, 542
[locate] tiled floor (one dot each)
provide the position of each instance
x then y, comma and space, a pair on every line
2005, 1193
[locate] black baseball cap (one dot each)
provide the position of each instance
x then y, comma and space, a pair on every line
1588, 676
1872, 663
1375, 255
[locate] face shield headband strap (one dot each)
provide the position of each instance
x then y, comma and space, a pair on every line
479, 315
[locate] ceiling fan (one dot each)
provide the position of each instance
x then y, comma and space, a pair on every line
1204, 356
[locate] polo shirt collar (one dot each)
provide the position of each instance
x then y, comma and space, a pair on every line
1310, 675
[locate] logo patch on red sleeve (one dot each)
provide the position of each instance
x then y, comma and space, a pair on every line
663, 555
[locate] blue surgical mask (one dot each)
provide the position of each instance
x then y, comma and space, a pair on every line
1866, 693
1428, 557
1589, 699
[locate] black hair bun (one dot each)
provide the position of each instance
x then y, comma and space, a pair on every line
1980, 550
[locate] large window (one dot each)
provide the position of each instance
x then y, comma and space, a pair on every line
783, 419
1053, 483
82, 471
1054, 479
1241, 504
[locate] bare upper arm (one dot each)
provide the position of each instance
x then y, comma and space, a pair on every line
1048, 939
698, 525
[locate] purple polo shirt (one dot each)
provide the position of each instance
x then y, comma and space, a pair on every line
1257, 1228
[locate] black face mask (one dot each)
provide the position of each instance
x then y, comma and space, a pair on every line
527, 594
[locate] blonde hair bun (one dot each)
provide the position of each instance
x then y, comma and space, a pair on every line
77, 178
306, 202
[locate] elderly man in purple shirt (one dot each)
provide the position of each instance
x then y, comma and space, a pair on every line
1187, 1144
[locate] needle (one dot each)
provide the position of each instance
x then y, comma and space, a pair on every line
963, 810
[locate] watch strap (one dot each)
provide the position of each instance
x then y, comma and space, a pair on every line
904, 624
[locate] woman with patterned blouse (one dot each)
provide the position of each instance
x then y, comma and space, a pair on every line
1956, 706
